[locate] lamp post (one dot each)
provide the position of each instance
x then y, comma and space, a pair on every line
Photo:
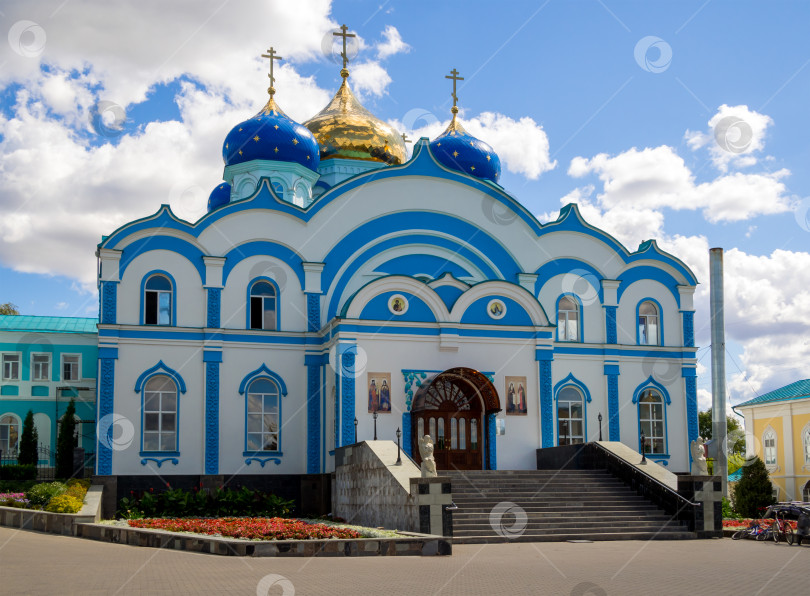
399, 456
600, 425
375, 422
355, 429
643, 449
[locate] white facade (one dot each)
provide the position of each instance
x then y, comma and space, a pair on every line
448, 245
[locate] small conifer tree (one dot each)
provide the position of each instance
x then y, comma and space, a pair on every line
28, 441
65, 443
754, 490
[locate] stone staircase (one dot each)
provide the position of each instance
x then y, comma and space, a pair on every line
553, 506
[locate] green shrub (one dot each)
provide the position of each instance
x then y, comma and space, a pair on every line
64, 504
28, 442
222, 502
65, 442
16, 486
728, 510
754, 489
18, 472
40, 494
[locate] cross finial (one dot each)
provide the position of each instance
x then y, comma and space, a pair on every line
454, 76
343, 33
271, 54
405, 138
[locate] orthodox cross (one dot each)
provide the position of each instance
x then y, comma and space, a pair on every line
454, 76
405, 138
271, 54
343, 33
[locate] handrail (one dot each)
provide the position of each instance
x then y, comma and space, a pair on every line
649, 477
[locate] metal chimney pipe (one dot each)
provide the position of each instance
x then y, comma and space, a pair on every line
719, 429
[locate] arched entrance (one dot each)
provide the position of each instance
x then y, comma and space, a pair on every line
452, 408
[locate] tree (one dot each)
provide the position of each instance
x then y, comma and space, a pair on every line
754, 490
735, 432
66, 442
9, 309
28, 441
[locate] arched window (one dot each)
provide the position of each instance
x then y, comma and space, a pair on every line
652, 422
263, 306
648, 324
474, 434
769, 443
567, 319
462, 433
453, 433
440, 432
157, 301
263, 416
9, 435
160, 414
806, 444
570, 416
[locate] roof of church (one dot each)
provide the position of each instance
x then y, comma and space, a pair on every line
221, 195
458, 150
47, 324
797, 390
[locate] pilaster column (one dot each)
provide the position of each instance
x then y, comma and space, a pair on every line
312, 289
314, 362
612, 374
544, 358
610, 305
106, 403
212, 360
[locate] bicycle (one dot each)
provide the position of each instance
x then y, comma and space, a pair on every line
754, 530
782, 528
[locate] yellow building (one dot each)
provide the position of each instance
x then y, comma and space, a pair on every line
780, 424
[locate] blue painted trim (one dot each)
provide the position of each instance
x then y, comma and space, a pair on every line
347, 355
275, 453
212, 355
650, 382
160, 460
263, 460
313, 418
611, 335
105, 353
692, 427
639, 352
406, 433
688, 328
157, 241
660, 322
568, 266
580, 317
647, 272
105, 397
273, 283
263, 371
214, 307
688, 372
611, 369
614, 425
546, 405
543, 354
109, 301
264, 248
161, 369
144, 279
313, 312
572, 380
212, 416
492, 444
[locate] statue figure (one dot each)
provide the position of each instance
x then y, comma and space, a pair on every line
699, 465
426, 452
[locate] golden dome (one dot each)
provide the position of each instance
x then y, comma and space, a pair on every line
345, 129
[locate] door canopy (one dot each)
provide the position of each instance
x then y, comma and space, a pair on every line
457, 389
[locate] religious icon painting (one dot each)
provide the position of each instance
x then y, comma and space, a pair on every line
398, 304
496, 309
515, 396
379, 392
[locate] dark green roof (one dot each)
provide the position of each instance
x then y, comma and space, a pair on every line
37, 324
796, 390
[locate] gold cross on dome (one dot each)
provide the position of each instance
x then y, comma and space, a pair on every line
271, 54
405, 138
454, 76
343, 33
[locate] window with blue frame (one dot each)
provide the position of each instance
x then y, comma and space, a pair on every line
263, 416
567, 319
648, 324
263, 306
652, 421
157, 301
570, 416
9, 435
160, 414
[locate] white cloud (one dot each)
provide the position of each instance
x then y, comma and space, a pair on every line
392, 43
735, 134
369, 78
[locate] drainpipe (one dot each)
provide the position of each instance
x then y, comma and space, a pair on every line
719, 428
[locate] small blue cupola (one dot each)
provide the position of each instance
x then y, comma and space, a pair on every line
221, 195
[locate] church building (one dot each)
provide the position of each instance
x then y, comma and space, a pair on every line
338, 291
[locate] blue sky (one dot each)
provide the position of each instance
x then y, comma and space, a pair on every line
681, 121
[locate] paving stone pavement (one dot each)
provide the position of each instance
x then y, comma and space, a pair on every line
35, 563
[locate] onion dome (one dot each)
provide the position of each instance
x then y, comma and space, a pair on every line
458, 150
220, 196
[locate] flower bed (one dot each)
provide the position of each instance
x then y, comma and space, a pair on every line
741, 524
251, 528
14, 500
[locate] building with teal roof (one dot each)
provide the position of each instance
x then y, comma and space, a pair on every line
46, 362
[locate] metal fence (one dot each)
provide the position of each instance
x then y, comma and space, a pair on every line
84, 463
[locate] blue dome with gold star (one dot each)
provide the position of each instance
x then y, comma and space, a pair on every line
220, 196
457, 149
271, 135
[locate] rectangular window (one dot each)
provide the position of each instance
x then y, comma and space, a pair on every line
11, 367
770, 450
41, 367
70, 368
